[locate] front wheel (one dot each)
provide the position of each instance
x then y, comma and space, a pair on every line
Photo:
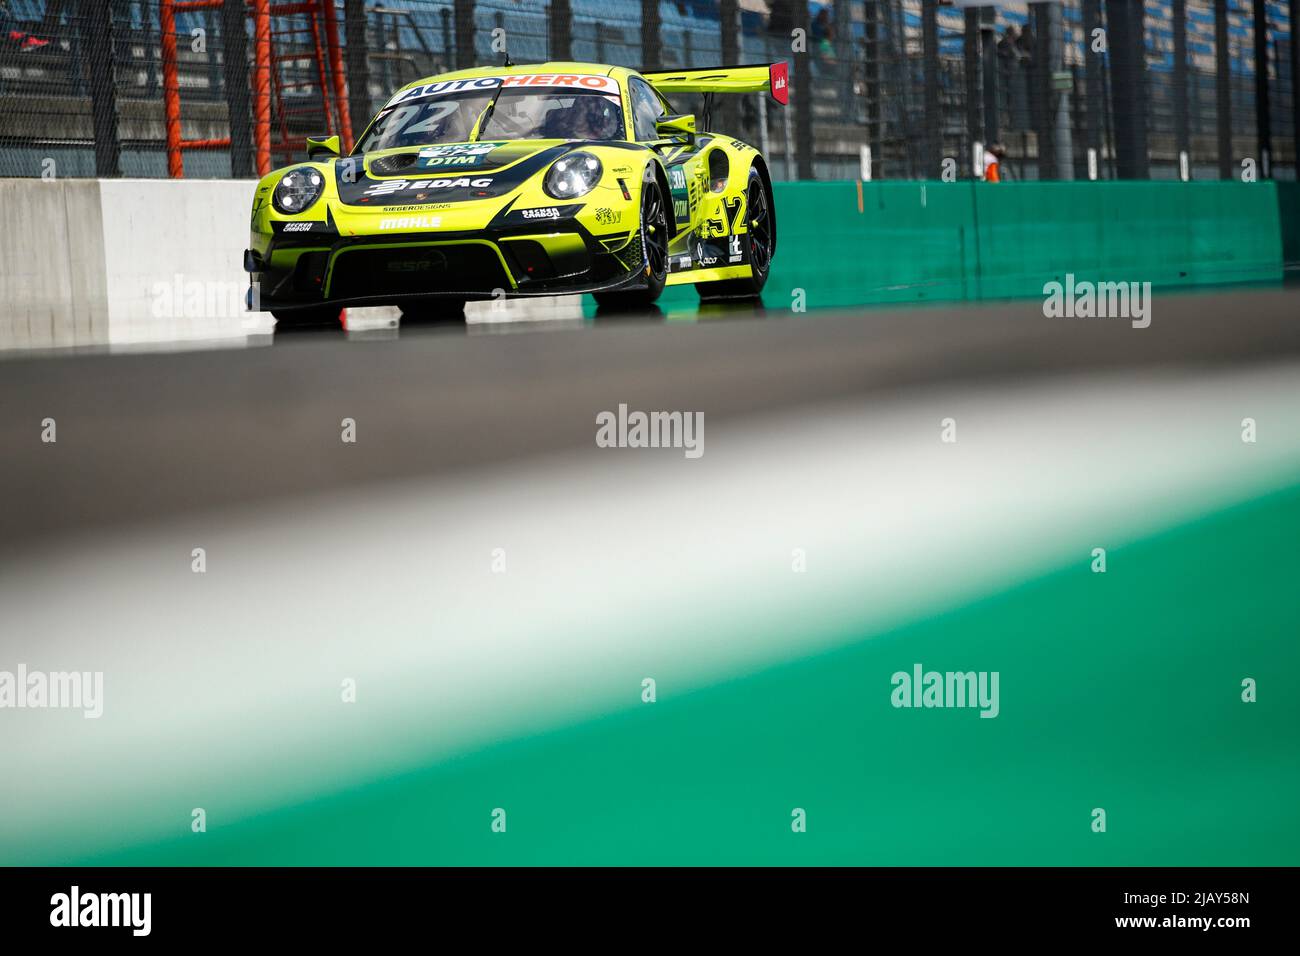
302, 318
654, 259
757, 243
434, 312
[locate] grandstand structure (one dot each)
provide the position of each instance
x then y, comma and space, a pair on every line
881, 88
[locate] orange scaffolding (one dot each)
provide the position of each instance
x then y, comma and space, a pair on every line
267, 81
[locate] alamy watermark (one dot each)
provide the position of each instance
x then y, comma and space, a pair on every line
184, 298
922, 688
635, 429
55, 690
132, 911
1101, 300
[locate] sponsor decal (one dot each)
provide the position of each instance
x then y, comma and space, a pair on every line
410, 222
704, 253
445, 86
677, 184
693, 193
410, 265
603, 84
405, 192
458, 149
583, 81
714, 227
420, 208
301, 226
735, 207
609, 217
778, 77
457, 154
443, 161
516, 217
733, 249
390, 186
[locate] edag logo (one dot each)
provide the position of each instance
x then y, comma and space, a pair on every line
390, 186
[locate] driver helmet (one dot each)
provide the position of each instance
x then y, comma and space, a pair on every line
596, 118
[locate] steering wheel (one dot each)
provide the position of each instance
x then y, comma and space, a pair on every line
520, 130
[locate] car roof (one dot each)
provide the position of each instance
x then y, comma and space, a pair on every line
519, 69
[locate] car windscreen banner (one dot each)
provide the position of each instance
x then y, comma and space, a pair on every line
577, 81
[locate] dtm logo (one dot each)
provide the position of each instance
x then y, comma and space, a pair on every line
390, 186
458, 154
411, 222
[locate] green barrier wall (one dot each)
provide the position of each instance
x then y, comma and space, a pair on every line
920, 241
1288, 211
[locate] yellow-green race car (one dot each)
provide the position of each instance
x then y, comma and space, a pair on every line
549, 179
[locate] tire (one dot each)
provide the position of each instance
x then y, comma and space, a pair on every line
654, 248
300, 318
759, 242
434, 312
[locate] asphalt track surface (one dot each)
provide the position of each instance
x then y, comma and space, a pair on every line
147, 435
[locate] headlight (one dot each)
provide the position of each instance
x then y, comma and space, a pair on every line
298, 189
574, 175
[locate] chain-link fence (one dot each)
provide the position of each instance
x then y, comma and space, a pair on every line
879, 88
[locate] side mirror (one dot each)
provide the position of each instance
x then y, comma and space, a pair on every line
323, 146
680, 125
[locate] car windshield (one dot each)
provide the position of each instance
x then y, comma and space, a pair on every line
519, 114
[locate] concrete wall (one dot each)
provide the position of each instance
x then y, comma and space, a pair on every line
128, 262
103, 262
52, 262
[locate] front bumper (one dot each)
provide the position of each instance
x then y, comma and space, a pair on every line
308, 270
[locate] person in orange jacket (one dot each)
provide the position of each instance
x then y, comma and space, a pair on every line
993, 162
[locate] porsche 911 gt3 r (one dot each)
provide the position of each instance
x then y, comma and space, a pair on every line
548, 179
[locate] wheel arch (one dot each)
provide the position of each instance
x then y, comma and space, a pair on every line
761, 165
661, 177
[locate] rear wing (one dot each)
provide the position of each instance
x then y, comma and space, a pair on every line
756, 78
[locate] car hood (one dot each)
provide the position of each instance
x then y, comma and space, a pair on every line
452, 172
